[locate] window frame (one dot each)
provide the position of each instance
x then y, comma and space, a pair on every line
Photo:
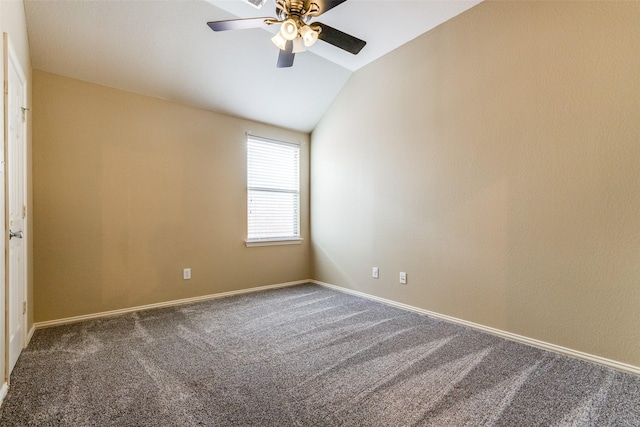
272, 241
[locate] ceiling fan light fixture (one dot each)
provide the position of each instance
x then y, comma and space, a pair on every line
279, 41
289, 29
308, 35
298, 45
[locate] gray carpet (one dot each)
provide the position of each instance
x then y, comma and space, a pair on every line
303, 356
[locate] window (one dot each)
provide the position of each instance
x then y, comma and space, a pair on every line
273, 192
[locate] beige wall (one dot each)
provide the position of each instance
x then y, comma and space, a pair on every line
496, 160
13, 23
129, 190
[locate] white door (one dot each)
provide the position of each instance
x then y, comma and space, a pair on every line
15, 168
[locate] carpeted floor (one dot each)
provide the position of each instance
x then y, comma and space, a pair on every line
303, 356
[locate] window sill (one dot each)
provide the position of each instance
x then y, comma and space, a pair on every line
273, 242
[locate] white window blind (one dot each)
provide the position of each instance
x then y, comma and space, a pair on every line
273, 193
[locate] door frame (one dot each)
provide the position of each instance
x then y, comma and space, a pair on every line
11, 59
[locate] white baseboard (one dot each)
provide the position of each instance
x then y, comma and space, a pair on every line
498, 332
3, 392
29, 335
67, 320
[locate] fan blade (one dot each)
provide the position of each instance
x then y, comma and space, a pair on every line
326, 5
237, 24
285, 57
339, 39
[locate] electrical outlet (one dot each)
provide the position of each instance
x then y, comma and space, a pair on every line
375, 273
403, 278
186, 274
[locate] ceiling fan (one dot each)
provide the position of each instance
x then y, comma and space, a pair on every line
296, 29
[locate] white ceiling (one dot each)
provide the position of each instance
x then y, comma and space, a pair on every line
165, 49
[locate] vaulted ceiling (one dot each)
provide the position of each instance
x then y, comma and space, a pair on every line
165, 49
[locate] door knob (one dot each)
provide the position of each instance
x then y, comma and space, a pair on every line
17, 234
